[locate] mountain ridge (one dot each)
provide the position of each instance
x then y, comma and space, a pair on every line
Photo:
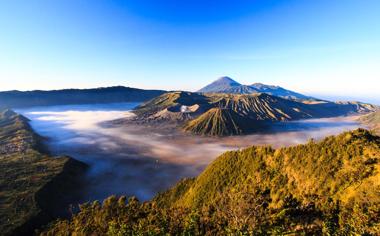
227, 85
33, 185
20, 99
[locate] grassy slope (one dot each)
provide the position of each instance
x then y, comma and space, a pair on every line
25, 176
373, 121
344, 169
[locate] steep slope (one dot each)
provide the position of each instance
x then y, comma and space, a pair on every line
262, 106
217, 122
15, 99
331, 187
341, 171
372, 121
34, 187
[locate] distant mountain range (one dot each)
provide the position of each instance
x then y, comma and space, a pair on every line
232, 114
16, 99
227, 85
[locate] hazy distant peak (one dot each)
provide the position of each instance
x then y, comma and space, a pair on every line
264, 86
227, 85
227, 80
220, 84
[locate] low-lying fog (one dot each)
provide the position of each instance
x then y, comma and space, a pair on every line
134, 160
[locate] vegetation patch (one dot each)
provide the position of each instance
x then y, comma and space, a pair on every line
34, 187
372, 120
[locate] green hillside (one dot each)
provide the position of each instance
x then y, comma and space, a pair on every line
232, 114
33, 185
331, 187
372, 121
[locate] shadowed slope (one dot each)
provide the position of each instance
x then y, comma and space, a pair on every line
34, 187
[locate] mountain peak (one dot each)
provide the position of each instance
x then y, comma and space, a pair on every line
227, 80
220, 84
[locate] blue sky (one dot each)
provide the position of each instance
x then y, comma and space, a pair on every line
324, 47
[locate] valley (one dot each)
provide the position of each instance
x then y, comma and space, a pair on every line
124, 159
143, 149
189, 118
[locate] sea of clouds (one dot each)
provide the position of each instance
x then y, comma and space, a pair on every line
134, 160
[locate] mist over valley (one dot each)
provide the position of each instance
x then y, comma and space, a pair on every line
135, 160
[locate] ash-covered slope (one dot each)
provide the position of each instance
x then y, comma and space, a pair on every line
170, 100
262, 106
173, 107
218, 122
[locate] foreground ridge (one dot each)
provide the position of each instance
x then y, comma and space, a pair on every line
34, 185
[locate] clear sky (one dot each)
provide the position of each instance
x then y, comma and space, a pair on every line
321, 47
